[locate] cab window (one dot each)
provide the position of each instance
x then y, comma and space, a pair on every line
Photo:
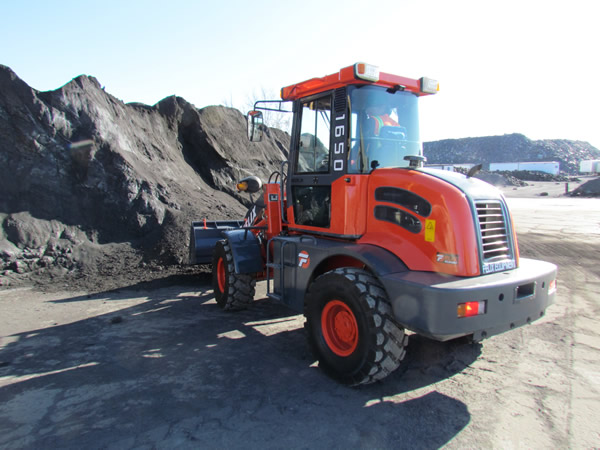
315, 132
384, 129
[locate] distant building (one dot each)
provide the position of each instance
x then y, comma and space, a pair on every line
590, 166
450, 167
551, 167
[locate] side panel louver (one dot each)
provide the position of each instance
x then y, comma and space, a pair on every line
340, 103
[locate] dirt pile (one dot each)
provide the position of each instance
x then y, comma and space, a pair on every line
494, 178
520, 177
500, 179
90, 184
510, 148
534, 175
588, 189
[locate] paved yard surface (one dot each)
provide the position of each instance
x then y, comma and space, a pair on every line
161, 366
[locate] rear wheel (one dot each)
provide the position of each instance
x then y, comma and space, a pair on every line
233, 291
351, 327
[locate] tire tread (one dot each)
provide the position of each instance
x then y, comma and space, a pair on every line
388, 336
240, 287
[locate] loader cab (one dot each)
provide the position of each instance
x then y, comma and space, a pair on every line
345, 126
339, 137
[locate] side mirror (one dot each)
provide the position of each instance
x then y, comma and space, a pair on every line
255, 126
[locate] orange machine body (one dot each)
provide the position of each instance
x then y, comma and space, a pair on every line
442, 239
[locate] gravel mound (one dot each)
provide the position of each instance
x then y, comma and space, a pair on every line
510, 148
588, 189
91, 185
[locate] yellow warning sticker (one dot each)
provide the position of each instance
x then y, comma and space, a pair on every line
430, 230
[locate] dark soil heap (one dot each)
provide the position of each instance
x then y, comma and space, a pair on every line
588, 189
90, 185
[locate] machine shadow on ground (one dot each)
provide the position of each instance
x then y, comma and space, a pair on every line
176, 368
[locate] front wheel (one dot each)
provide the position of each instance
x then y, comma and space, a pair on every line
233, 291
351, 328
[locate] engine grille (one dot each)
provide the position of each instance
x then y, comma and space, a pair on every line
495, 239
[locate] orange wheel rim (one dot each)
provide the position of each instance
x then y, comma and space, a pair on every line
340, 329
221, 275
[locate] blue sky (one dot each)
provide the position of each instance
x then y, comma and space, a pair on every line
506, 66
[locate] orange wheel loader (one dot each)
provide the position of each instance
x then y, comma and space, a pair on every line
358, 235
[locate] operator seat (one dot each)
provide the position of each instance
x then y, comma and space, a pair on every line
389, 147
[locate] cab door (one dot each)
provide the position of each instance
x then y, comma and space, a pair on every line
318, 160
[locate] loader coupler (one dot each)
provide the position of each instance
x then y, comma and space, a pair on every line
204, 236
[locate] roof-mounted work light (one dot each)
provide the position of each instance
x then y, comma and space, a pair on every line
429, 86
367, 72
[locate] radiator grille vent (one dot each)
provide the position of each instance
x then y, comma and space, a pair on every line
494, 234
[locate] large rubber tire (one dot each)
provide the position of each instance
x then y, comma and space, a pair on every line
351, 328
232, 291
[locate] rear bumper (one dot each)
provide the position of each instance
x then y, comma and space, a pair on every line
427, 302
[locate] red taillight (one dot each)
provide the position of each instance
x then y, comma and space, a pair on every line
552, 287
470, 309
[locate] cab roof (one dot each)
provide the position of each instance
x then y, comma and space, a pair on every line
359, 73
